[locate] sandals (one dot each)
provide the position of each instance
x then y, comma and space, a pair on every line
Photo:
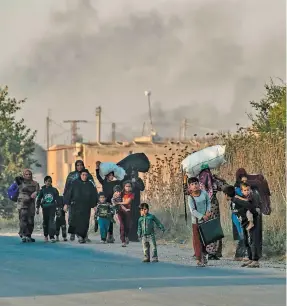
254, 264
200, 265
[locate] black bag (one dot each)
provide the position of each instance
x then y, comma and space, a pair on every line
136, 161
210, 231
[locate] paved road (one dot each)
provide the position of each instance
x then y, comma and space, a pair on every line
69, 274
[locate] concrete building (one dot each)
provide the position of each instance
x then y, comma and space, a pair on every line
61, 158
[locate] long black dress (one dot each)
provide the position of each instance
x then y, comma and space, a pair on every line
137, 187
82, 196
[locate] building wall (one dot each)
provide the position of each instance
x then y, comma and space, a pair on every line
61, 159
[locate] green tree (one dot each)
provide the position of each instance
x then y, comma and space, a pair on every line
16, 147
270, 111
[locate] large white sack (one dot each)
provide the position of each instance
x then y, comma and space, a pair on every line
213, 156
108, 167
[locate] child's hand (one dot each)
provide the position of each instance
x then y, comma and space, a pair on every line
205, 218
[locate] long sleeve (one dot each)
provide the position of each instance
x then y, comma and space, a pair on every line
57, 197
39, 199
69, 195
100, 179
208, 203
193, 211
140, 184
139, 232
158, 223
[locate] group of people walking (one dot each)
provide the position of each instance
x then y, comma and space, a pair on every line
248, 198
120, 200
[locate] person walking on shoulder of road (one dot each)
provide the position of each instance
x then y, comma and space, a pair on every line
104, 213
79, 166
240, 206
124, 212
61, 220
108, 185
208, 183
48, 199
81, 197
28, 190
199, 205
146, 232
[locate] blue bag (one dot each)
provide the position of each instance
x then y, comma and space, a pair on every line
13, 192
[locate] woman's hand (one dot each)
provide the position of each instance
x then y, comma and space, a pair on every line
205, 218
65, 208
34, 195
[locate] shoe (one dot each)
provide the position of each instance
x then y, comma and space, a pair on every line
65, 239
146, 260
29, 239
46, 239
246, 263
200, 264
81, 240
124, 245
23, 239
57, 238
72, 237
53, 240
88, 240
103, 242
155, 259
253, 264
213, 257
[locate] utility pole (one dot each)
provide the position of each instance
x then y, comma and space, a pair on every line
48, 121
113, 132
74, 129
98, 122
184, 129
148, 94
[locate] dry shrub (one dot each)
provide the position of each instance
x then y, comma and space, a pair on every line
264, 153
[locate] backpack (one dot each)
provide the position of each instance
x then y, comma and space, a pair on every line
13, 192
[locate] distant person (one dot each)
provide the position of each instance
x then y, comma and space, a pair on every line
81, 197
108, 185
28, 190
47, 200
79, 166
146, 232
199, 205
61, 224
104, 212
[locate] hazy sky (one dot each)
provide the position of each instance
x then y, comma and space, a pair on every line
202, 59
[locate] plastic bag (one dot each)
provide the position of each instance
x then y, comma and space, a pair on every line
108, 167
212, 156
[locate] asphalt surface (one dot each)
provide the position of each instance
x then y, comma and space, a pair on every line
72, 274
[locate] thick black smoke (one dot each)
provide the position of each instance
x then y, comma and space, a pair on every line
203, 60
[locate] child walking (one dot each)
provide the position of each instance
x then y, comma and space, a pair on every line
199, 205
124, 211
104, 213
61, 220
146, 232
47, 199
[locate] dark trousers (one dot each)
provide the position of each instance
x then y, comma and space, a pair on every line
61, 224
125, 225
252, 243
111, 229
241, 249
26, 222
49, 224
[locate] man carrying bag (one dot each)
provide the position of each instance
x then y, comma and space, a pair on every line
205, 230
